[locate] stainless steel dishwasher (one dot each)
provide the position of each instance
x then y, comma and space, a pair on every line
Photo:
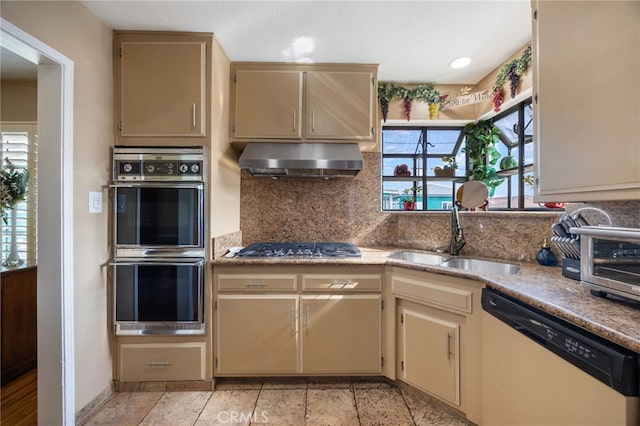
540, 370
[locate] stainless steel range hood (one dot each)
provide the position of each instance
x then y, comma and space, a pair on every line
309, 160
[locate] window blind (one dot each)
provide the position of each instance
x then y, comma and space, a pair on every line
19, 145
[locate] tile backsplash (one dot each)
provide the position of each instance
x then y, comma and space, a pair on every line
350, 210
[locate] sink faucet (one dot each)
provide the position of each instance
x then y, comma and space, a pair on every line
457, 236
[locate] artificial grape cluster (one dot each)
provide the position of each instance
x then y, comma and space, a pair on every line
514, 79
384, 105
407, 108
498, 99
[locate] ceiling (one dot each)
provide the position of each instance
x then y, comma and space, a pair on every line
412, 41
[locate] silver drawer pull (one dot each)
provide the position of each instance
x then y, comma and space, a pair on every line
347, 283
158, 363
256, 284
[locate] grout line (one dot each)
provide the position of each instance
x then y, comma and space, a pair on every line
255, 404
407, 405
152, 407
203, 407
355, 402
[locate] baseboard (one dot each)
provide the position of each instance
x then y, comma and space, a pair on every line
168, 386
93, 406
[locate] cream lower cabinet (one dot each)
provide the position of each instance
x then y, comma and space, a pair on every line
315, 320
161, 361
430, 355
341, 333
438, 337
257, 334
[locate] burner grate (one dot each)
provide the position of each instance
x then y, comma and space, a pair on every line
300, 250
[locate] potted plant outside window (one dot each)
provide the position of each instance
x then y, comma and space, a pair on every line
409, 202
449, 167
482, 154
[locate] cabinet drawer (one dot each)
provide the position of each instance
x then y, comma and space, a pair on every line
160, 362
450, 298
255, 282
337, 282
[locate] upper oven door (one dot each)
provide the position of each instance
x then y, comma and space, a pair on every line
151, 218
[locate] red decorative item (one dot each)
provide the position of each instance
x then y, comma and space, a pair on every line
498, 99
555, 205
409, 205
402, 170
408, 102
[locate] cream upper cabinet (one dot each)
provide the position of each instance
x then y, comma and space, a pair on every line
268, 104
586, 58
339, 105
161, 85
341, 334
320, 102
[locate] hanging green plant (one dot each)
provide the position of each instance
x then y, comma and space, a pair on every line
482, 154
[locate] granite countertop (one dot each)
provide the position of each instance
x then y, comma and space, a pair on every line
542, 287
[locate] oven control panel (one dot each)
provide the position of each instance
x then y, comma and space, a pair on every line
154, 169
158, 164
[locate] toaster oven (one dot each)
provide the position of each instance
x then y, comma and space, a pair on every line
610, 260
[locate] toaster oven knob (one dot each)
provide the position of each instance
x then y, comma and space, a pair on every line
195, 168
150, 168
127, 167
183, 168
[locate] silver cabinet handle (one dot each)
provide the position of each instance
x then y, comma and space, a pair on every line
256, 284
293, 320
306, 319
294, 120
313, 121
158, 363
193, 116
448, 345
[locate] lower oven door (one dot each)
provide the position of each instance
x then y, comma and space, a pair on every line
159, 296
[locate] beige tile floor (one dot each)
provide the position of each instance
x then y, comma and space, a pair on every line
278, 401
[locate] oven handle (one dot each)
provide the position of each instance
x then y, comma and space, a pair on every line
155, 261
156, 184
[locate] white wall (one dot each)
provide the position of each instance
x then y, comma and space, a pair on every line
71, 29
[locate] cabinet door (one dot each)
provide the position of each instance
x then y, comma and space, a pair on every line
268, 104
429, 354
256, 334
339, 105
341, 334
162, 88
587, 87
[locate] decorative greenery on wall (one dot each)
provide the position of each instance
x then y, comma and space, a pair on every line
513, 70
422, 93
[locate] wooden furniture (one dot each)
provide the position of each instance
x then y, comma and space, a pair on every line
438, 335
320, 102
19, 322
162, 86
586, 91
292, 320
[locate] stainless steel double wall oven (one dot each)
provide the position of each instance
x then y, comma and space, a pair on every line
158, 235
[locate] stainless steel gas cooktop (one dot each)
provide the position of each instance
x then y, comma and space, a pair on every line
300, 249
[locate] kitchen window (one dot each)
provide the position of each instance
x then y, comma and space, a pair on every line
19, 145
427, 164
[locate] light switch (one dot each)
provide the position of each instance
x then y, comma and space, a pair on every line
95, 202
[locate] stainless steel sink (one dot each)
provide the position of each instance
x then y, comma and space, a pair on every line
418, 257
482, 266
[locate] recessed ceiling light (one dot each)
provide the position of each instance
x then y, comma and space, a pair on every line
460, 62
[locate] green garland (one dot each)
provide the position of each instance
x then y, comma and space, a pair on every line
520, 64
422, 93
